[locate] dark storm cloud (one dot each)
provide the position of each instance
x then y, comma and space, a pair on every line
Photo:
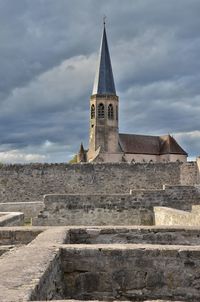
48, 53
35, 36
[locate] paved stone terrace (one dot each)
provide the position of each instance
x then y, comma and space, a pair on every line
23, 270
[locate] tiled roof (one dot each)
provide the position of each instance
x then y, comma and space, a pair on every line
170, 145
146, 144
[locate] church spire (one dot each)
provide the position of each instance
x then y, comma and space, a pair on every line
104, 81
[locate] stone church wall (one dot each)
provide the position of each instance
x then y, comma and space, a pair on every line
22, 183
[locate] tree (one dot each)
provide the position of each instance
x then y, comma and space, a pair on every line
73, 160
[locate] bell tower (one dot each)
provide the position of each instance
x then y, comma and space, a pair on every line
103, 106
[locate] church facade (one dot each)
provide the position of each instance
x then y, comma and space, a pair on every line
106, 144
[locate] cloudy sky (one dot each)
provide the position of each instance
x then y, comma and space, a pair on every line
48, 54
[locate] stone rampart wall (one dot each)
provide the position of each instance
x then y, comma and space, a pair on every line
189, 174
22, 183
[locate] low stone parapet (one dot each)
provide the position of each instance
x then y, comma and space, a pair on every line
168, 216
29, 209
11, 218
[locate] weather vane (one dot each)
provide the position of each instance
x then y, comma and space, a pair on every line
104, 19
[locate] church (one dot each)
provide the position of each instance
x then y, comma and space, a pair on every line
106, 144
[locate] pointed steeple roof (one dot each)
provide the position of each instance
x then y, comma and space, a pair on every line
81, 150
104, 81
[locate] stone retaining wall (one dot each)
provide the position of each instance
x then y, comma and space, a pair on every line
114, 209
131, 272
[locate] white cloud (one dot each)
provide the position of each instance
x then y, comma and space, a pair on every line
192, 135
190, 141
16, 156
54, 88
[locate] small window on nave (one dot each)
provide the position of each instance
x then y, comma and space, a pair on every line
110, 112
92, 111
101, 110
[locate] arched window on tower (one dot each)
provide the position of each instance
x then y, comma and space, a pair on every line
117, 113
110, 112
92, 111
101, 110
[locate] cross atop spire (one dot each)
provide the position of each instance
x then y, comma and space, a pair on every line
104, 81
104, 20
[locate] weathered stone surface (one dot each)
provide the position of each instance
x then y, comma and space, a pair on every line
5, 248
